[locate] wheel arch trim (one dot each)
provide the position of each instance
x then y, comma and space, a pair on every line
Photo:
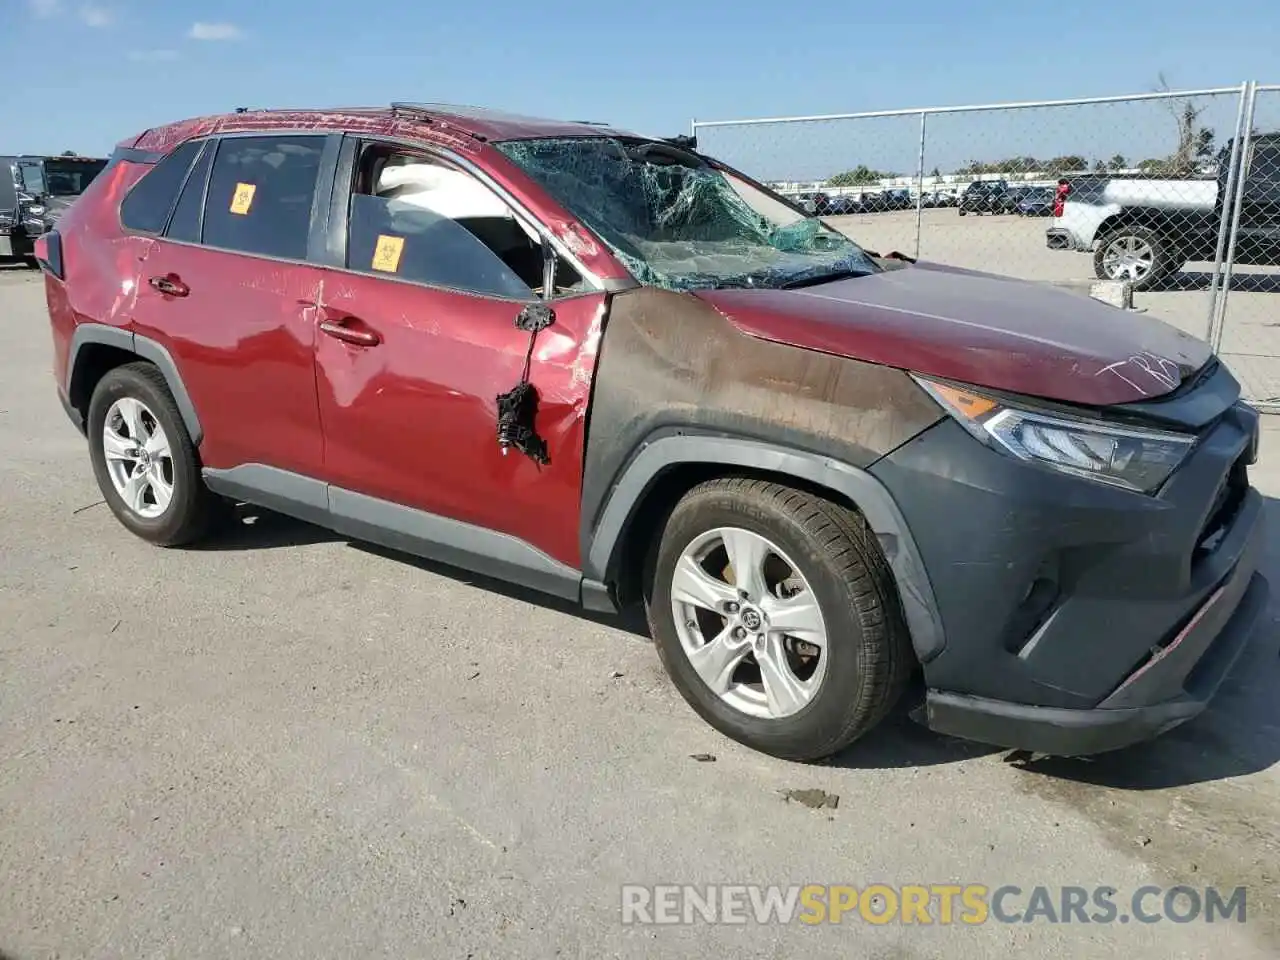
864, 491
145, 349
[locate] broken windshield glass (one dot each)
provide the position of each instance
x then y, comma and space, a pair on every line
678, 223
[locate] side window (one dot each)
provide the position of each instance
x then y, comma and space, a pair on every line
185, 223
33, 178
424, 221
146, 207
1266, 163
260, 195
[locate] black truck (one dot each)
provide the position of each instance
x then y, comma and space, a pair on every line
34, 191
1144, 229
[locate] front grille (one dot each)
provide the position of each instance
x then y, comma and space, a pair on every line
1226, 504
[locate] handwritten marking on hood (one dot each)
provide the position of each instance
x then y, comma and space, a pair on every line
1145, 371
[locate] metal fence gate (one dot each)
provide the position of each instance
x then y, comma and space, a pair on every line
975, 186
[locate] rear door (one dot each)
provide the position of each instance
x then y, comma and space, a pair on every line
227, 289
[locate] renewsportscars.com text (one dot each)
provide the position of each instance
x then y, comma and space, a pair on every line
942, 904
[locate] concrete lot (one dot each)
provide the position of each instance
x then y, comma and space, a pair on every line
286, 745
1015, 246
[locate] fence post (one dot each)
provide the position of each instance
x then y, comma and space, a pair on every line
1224, 223
1237, 203
920, 184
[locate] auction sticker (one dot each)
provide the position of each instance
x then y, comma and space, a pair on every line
386, 255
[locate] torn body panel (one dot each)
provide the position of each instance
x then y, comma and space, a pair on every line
668, 361
413, 419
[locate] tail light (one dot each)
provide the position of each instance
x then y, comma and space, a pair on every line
1060, 197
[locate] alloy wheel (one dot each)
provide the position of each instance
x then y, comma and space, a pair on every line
1128, 258
139, 458
749, 623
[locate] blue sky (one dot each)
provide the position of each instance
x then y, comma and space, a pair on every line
83, 74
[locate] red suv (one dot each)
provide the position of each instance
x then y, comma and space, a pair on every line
616, 370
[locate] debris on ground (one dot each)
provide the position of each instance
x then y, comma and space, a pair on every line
703, 757
813, 799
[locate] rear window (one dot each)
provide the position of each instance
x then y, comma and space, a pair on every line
260, 195
147, 206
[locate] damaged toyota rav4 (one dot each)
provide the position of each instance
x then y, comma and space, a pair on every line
615, 370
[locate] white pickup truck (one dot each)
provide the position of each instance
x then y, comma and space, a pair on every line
1145, 229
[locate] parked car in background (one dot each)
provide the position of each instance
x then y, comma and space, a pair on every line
844, 204
1036, 202
899, 199
34, 191
814, 202
1145, 229
986, 196
796, 456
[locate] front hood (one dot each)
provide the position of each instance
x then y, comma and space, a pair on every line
990, 331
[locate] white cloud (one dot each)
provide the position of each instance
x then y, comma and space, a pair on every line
152, 56
44, 8
92, 16
214, 31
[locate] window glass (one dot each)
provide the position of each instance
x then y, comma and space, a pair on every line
32, 177
147, 206
1266, 163
425, 222
185, 224
260, 195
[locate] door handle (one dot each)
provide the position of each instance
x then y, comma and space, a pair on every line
170, 285
357, 336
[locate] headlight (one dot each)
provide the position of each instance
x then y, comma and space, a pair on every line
1128, 457
35, 209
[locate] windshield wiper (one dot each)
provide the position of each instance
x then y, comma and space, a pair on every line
809, 280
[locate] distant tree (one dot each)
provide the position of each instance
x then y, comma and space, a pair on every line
70, 153
1195, 142
858, 175
1068, 164
937, 174
1117, 162
1099, 166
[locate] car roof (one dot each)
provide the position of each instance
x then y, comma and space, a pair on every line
430, 121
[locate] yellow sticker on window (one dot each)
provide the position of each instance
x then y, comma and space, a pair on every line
386, 255
242, 199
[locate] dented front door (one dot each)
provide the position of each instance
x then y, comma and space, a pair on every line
408, 379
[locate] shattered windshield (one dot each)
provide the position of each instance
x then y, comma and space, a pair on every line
678, 223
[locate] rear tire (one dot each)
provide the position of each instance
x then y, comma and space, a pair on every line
143, 458
832, 592
1139, 255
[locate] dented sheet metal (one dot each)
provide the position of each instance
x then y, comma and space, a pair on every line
668, 360
677, 226
379, 122
991, 331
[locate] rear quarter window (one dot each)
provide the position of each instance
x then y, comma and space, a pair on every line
146, 207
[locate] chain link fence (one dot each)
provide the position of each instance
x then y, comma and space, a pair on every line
1169, 192
1247, 329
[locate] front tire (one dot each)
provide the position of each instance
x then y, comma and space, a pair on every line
143, 458
776, 616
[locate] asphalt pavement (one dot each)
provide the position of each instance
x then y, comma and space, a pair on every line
288, 745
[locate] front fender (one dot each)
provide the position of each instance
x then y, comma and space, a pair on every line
661, 454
